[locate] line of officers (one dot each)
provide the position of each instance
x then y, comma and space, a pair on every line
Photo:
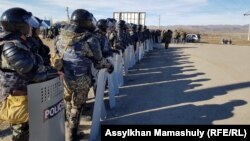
81, 43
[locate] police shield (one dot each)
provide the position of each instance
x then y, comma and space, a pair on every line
99, 111
46, 111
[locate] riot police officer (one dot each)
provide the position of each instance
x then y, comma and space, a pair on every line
38, 46
121, 39
102, 26
19, 66
113, 37
133, 35
146, 33
140, 33
79, 48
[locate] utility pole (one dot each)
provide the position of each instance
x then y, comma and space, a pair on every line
67, 10
248, 37
159, 21
51, 20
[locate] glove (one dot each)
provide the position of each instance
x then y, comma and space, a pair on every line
45, 75
110, 69
116, 51
120, 46
103, 63
51, 73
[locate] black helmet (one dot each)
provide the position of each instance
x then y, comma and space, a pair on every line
121, 24
139, 27
132, 26
112, 23
17, 20
111, 20
103, 24
127, 26
136, 27
84, 19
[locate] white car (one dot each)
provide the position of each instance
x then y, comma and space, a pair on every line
192, 38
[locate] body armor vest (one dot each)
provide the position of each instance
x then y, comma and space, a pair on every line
74, 61
9, 79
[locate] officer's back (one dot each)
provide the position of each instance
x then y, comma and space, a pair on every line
79, 48
73, 41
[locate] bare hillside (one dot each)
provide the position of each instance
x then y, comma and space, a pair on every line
208, 28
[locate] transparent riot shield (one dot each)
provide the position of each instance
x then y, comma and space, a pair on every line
125, 60
115, 75
146, 45
141, 51
137, 51
112, 86
131, 56
151, 44
119, 69
99, 111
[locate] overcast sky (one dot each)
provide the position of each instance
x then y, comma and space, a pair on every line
172, 12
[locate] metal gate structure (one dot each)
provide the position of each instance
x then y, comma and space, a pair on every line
131, 17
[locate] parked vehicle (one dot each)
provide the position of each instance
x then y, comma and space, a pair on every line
192, 38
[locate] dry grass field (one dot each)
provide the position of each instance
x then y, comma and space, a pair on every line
49, 43
209, 38
215, 38
213, 34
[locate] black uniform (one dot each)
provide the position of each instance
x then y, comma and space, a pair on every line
40, 48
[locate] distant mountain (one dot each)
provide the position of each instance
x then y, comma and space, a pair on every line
207, 28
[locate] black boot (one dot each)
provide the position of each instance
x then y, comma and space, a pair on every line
72, 134
166, 46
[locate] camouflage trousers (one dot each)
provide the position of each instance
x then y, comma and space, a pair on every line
166, 45
20, 132
76, 94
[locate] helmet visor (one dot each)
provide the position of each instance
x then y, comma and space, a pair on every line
44, 24
94, 21
32, 22
110, 25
